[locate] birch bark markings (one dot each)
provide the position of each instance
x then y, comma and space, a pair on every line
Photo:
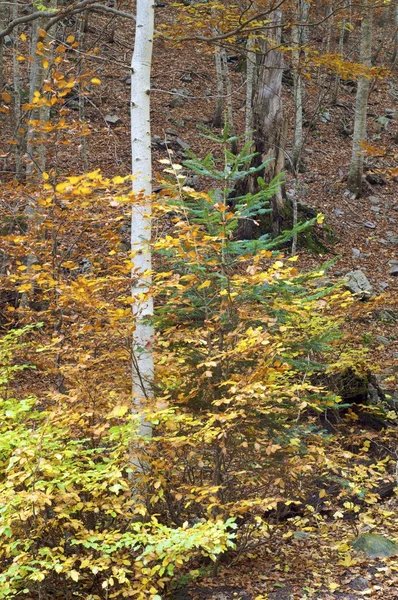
361, 103
143, 367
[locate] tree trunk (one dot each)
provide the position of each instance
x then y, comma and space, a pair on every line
228, 88
217, 121
361, 105
269, 127
143, 367
40, 49
250, 84
395, 50
17, 98
299, 34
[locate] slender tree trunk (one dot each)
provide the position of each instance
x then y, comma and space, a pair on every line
299, 34
336, 85
217, 121
40, 50
2, 23
250, 84
228, 88
361, 105
17, 98
395, 50
143, 367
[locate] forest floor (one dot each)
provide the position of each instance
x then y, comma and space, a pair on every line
317, 563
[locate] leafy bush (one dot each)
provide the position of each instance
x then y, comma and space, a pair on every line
242, 339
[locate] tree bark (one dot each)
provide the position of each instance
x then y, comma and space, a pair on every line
217, 121
269, 128
250, 84
361, 105
143, 366
299, 34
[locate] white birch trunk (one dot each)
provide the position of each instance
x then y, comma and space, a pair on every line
143, 367
361, 105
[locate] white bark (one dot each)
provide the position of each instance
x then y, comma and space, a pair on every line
361, 105
143, 367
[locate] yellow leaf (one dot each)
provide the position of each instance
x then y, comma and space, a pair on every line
46, 176
46, 64
320, 218
278, 264
204, 285
96, 81
333, 586
74, 575
70, 39
42, 33
6, 97
23, 37
322, 493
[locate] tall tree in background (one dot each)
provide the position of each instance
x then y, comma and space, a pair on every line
361, 103
268, 119
143, 367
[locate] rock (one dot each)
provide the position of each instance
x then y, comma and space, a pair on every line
392, 239
186, 77
177, 102
375, 179
394, 271
112, 120
325, 116
358, 284
172, 132
8, 41
179, 123
383, 285
374, 200
222, 592
356, 253
359, 583
382, 340
126, 80
338, 212
192, 181
389, 111
184, 145
386, 315
393, 261
375, 209
369, 225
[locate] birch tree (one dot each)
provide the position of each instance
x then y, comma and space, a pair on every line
361, 104
143, 367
